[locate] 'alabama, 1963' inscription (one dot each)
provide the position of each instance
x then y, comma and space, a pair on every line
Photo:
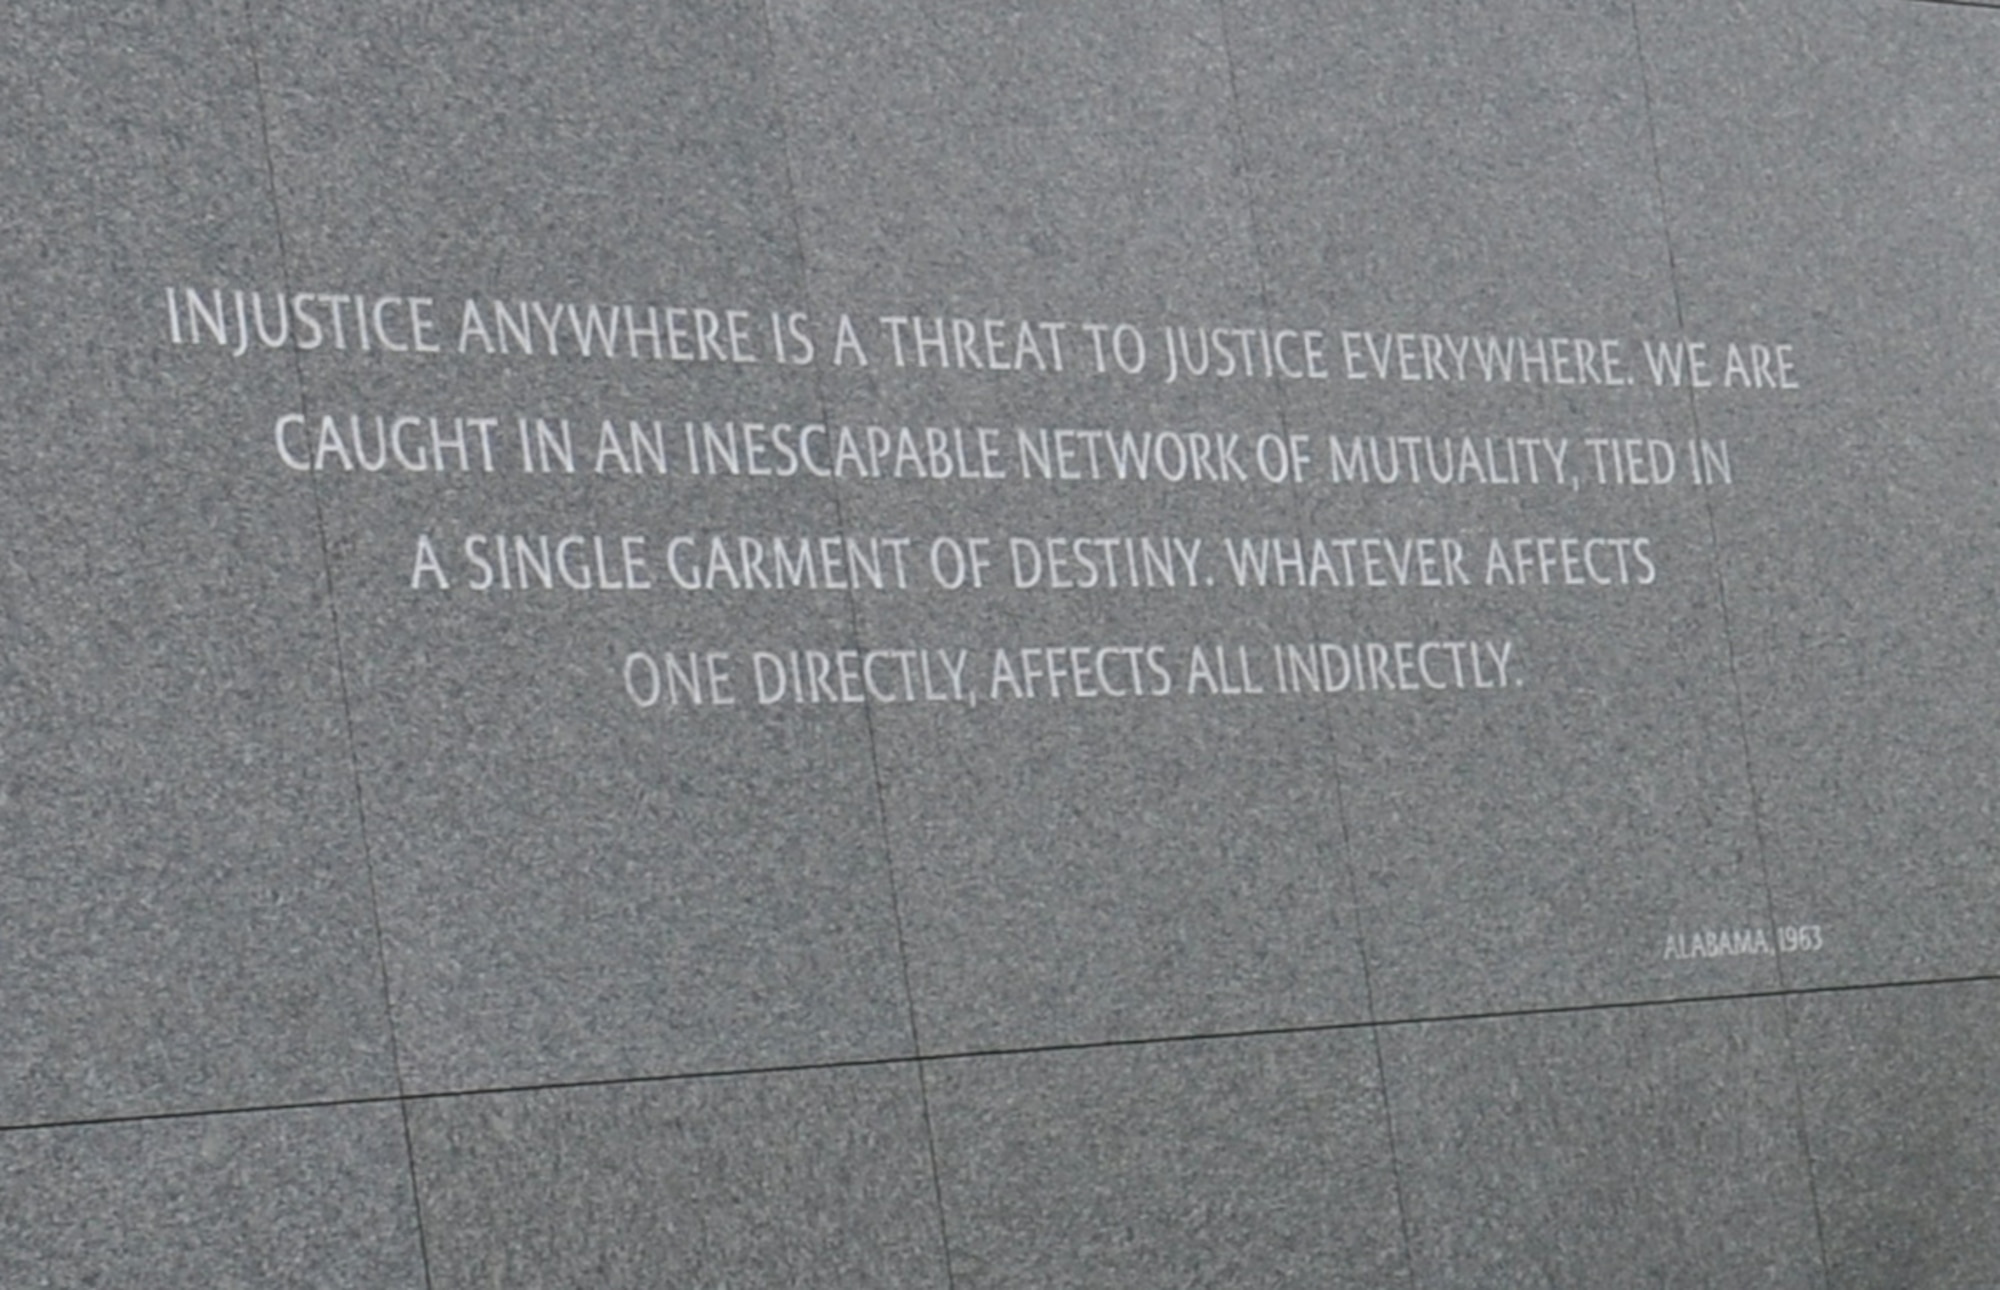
1736, 942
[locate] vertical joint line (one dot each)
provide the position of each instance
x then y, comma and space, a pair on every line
339, 655
1257, 251
1735, 673
1708, 511
853, 609
1258, 246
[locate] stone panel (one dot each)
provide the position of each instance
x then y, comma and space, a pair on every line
300, 1199
1861, 539
581, 878
1261, 1161
805, 1178
188, 918
1464, 197
1152, 851
1897, 1087
1651, 1146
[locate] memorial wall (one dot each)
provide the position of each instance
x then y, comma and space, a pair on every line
1158, 643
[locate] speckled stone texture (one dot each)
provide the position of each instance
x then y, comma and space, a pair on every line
1859, 545
626, 744
572, 887
792, 1178
1261, 1161
1649, 1146
1079, 866
1486, 170
292, 1199
1897, 1087
185, 921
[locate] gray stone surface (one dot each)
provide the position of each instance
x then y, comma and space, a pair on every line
1651, 1146
187, 921
1024, 155
1486, 170
461, 147
1084, 868
293, 823
1859, 544
314, 1198
1898, 1092
804, 1178
1087, 868
574, 887
1247, 1162
134, 164
1119, 874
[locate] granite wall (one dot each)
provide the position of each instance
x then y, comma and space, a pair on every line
1151, 643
